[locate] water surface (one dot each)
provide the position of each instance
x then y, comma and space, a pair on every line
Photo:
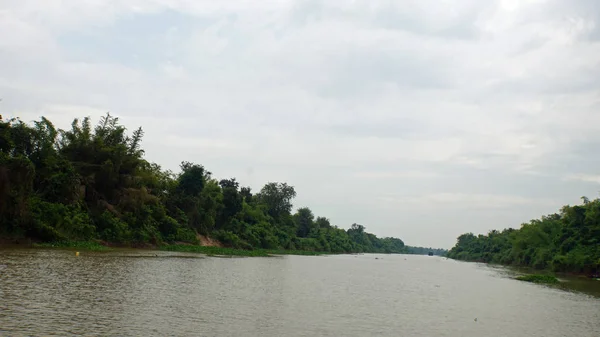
143, 293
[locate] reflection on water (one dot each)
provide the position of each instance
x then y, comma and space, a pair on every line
133, 293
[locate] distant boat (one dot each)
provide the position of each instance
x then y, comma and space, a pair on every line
430, 254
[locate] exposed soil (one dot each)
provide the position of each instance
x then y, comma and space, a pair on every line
209, 242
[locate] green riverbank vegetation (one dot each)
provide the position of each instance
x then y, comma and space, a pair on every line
92, 184
568, 241
227, 251
536, 278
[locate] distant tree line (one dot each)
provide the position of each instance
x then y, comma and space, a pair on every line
426, 251
568, 241
93, 183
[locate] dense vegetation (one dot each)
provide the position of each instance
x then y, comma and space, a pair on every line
568, 242
426, 251
92, 183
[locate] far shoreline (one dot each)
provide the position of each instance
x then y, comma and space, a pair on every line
99, 246
214, 248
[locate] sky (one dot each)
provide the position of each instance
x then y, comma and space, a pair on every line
419, 119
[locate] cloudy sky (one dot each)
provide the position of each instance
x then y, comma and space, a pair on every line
419, 119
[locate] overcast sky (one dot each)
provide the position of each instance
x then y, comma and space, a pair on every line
418, 119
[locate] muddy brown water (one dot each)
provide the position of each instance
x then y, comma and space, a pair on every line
147, 293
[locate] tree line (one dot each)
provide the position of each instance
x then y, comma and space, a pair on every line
568, 241
93, 183
425, 251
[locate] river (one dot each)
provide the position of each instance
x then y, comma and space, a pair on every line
148, 293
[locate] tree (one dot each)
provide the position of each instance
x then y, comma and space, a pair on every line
229, 183
92, 182
322, 222
246, 193
232, 202
278, 198
304, 220
567, 241
191, 180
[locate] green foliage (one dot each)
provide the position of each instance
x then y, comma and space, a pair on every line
214, 250
183, 234
277, 197
225, 251
112, 228
565, 242
54, 221
304, 221
92, 183
536, 278
230, 239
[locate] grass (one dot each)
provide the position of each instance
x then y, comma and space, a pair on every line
82, 245
537, 278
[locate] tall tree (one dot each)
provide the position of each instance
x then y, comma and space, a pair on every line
304, 220
278, 198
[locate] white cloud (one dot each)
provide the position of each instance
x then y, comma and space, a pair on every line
462, 201
589, 178
362, 98
377, 175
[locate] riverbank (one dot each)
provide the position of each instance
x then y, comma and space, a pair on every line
538, 278
85, 245
186, 248
571, 282
224, 251
530, 270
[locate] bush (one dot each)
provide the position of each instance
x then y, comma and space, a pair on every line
228, 239
260, 236
53, 221
186, 234
112, 228
310, 244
